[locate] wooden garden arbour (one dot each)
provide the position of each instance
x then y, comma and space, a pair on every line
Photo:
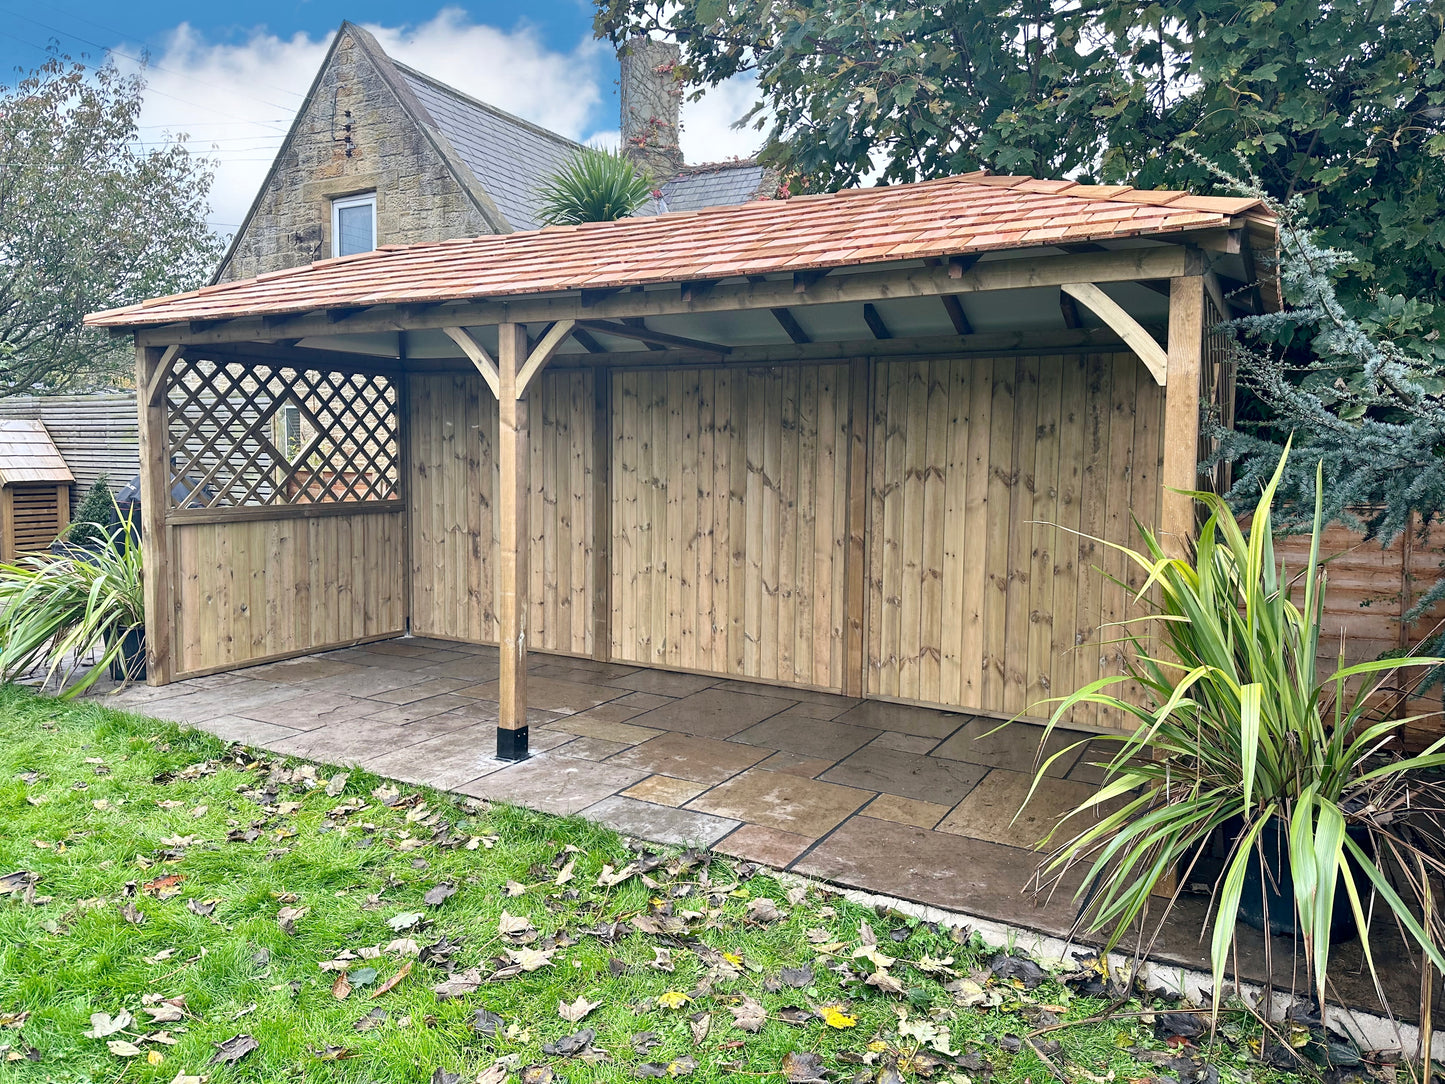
883, 423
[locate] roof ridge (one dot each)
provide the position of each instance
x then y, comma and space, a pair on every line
496, 111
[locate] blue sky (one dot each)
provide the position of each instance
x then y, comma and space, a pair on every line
233, 85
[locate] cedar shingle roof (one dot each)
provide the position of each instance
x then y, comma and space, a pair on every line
27, 454
968, 214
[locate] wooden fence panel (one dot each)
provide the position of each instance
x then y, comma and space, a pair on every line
254, 590
980, 595
727, 530
452, 427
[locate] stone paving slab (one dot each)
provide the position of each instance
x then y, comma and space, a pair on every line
554, 783
819, 738
804, 807
1014, 747
711, 713
703, 760
677, 826
893, 771
305, 710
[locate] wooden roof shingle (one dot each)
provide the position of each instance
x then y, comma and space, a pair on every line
974, 213
27, 454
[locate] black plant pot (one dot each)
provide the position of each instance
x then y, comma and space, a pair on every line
1267, 898
130, 664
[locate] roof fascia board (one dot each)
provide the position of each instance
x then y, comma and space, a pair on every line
1125, 265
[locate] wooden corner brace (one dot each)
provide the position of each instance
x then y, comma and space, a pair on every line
485, 363
1154, 356
157, 385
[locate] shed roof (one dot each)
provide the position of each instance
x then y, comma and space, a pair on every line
974, 213
27, 454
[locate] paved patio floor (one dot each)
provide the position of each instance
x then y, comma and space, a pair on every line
908, 802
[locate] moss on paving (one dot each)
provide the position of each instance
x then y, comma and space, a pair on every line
164, 858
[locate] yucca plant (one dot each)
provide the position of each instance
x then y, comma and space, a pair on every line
1238, 734
594, 186
64, 612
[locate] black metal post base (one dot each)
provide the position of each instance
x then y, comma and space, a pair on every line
512, 744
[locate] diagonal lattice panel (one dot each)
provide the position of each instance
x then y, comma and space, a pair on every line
259, 435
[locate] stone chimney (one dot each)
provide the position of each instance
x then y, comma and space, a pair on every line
651, 106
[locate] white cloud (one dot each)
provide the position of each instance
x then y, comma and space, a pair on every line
236, 100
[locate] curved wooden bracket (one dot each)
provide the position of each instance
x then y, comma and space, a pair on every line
485, 363
1154, 357
542, 353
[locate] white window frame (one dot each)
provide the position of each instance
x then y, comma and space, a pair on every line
364, 199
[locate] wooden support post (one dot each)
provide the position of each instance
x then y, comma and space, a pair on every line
1181, 437
602, 515
1181, 413
155, 485
62, 508
513, 462
7, 524
860, 416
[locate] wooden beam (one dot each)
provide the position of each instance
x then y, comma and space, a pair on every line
1112, 313
1226, 241
1181, 415
485, 363
156, 389
789, 323
155, 495
513, 463
958, 266
1251, 273
592, 297
1123, 265
542, 353
1070, 311
696, 288
587, 342
1215, 291
983, 344
956, 316
803, 281
647, 335
639, 323
875, 322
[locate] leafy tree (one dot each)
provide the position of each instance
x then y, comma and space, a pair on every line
1364, 396
89, 220
594, 186
1338, 104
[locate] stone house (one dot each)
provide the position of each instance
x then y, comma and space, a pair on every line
382, 154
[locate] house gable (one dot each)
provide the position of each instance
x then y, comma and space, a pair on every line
361, 129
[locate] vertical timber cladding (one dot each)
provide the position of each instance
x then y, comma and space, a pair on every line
452, 423
259, 589
729, 504
980, 594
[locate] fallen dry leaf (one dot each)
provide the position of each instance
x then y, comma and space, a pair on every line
341, 988
749, 1015
287, 918
764, 910
577, 1010
103, 1024
233, 1049
439, 894
122, 1049
530, 959
391, 983
406, 920
337, 783
803, 1068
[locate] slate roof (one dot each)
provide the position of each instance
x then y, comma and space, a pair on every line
27, 454
724, 183
952, 216
508, 155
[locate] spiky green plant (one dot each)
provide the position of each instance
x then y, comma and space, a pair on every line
594, 186
1237, 728
64, 612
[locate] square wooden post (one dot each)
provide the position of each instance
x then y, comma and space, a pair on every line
513, 461
155, 485
1181, 414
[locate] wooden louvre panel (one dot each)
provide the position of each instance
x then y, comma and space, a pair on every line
991, 480
38, 519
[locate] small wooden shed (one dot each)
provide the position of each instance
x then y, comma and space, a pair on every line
862, 442
34, 488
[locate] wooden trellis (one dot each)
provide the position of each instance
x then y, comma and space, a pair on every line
225, 450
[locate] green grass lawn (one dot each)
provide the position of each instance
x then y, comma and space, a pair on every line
207, 893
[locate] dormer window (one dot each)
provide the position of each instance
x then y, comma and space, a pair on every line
353, 224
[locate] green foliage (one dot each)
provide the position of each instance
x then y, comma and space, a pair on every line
92, 515
595, 186
1339, 104
1364, 396
62, 612
1236, 727
89, 219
